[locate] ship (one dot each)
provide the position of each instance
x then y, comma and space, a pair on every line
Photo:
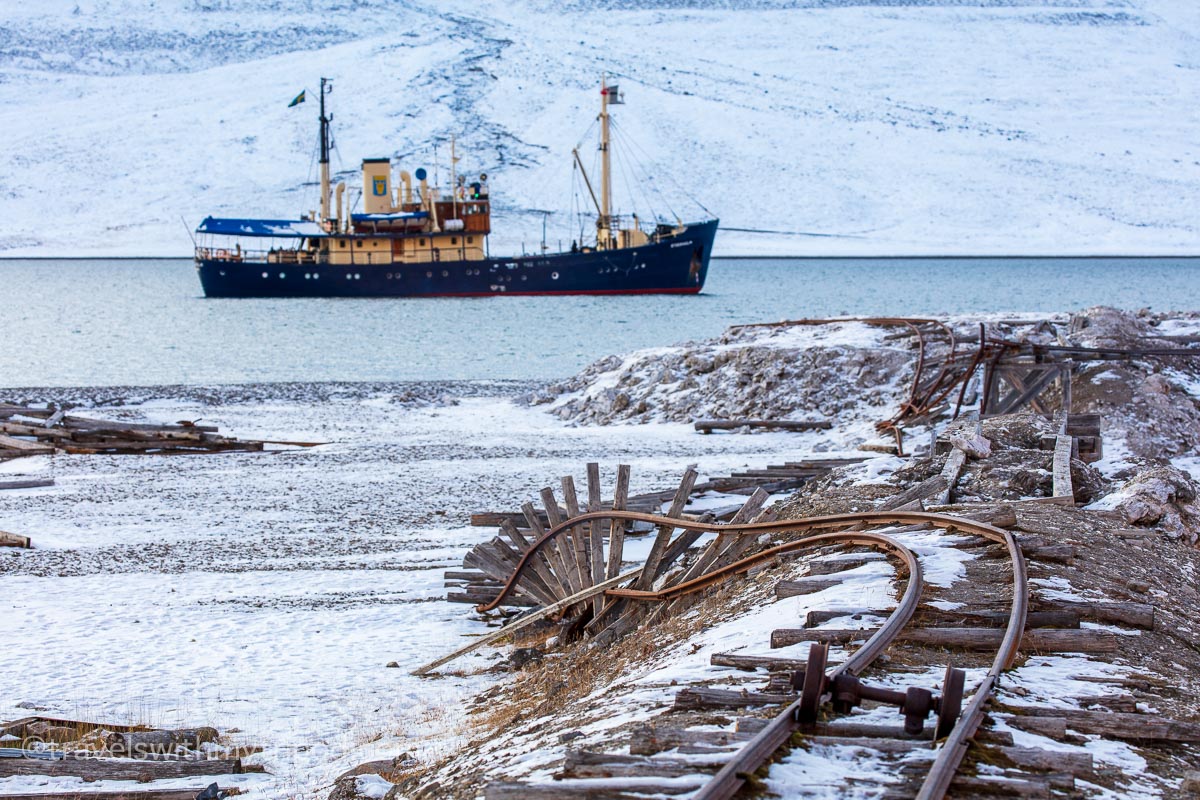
414, 238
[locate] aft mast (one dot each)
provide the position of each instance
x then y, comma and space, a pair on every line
603, 224
326, 88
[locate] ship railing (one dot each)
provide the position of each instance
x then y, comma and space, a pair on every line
238, 255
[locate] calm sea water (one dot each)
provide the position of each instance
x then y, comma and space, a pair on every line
81, 323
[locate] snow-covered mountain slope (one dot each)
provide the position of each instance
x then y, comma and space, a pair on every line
903, 126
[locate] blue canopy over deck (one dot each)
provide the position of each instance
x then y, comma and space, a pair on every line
277, 228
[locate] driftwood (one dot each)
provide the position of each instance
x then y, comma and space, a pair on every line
91, 768
46, 431
28, 483
1037, 639
13, 540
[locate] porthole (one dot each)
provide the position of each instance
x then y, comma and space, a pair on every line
265, 275
222, 273
357, 276
348, 276
398, 276
553, 276
307, 276
428, 274
445, 274
315, 276
389, 276
282, 275
524, 277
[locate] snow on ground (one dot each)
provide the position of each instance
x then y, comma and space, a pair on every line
267, 592
1003, 126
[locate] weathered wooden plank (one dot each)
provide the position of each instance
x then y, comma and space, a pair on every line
647, 739
1062, 468
594, 789
805, 585
554, 552
1117, 725
577, 552
929, 615
930, 487
703, 697
565, 544
117, 769
749, 662
28, 448
1083, 640
525, 621
710, 425
616, 536
27, 483
127, 794
650, 569
1135, 615
950, 472
540, 588
595, 534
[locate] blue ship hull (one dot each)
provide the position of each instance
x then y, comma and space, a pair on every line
677, 265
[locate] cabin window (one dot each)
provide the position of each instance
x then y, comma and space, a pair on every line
470, 240
342, 242
453, 240
421, 242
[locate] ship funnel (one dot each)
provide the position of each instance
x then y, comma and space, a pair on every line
405, 179
377, 185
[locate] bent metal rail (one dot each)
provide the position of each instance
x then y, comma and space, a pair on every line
763, 746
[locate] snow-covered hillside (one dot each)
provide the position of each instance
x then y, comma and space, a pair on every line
903, 126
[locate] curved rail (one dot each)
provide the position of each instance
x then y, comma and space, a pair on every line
937, 782
730, 778
727, 782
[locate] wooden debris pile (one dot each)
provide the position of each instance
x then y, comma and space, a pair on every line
592, 554
26, 431
93, 751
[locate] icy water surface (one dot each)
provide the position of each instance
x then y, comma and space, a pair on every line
79, 323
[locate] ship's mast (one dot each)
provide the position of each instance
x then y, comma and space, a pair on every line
603, 226
326, 87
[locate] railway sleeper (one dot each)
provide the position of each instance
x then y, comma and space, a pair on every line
931, 615
1042, 640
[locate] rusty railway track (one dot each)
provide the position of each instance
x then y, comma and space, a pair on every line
816, 686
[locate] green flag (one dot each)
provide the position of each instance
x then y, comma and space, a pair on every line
297, 100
